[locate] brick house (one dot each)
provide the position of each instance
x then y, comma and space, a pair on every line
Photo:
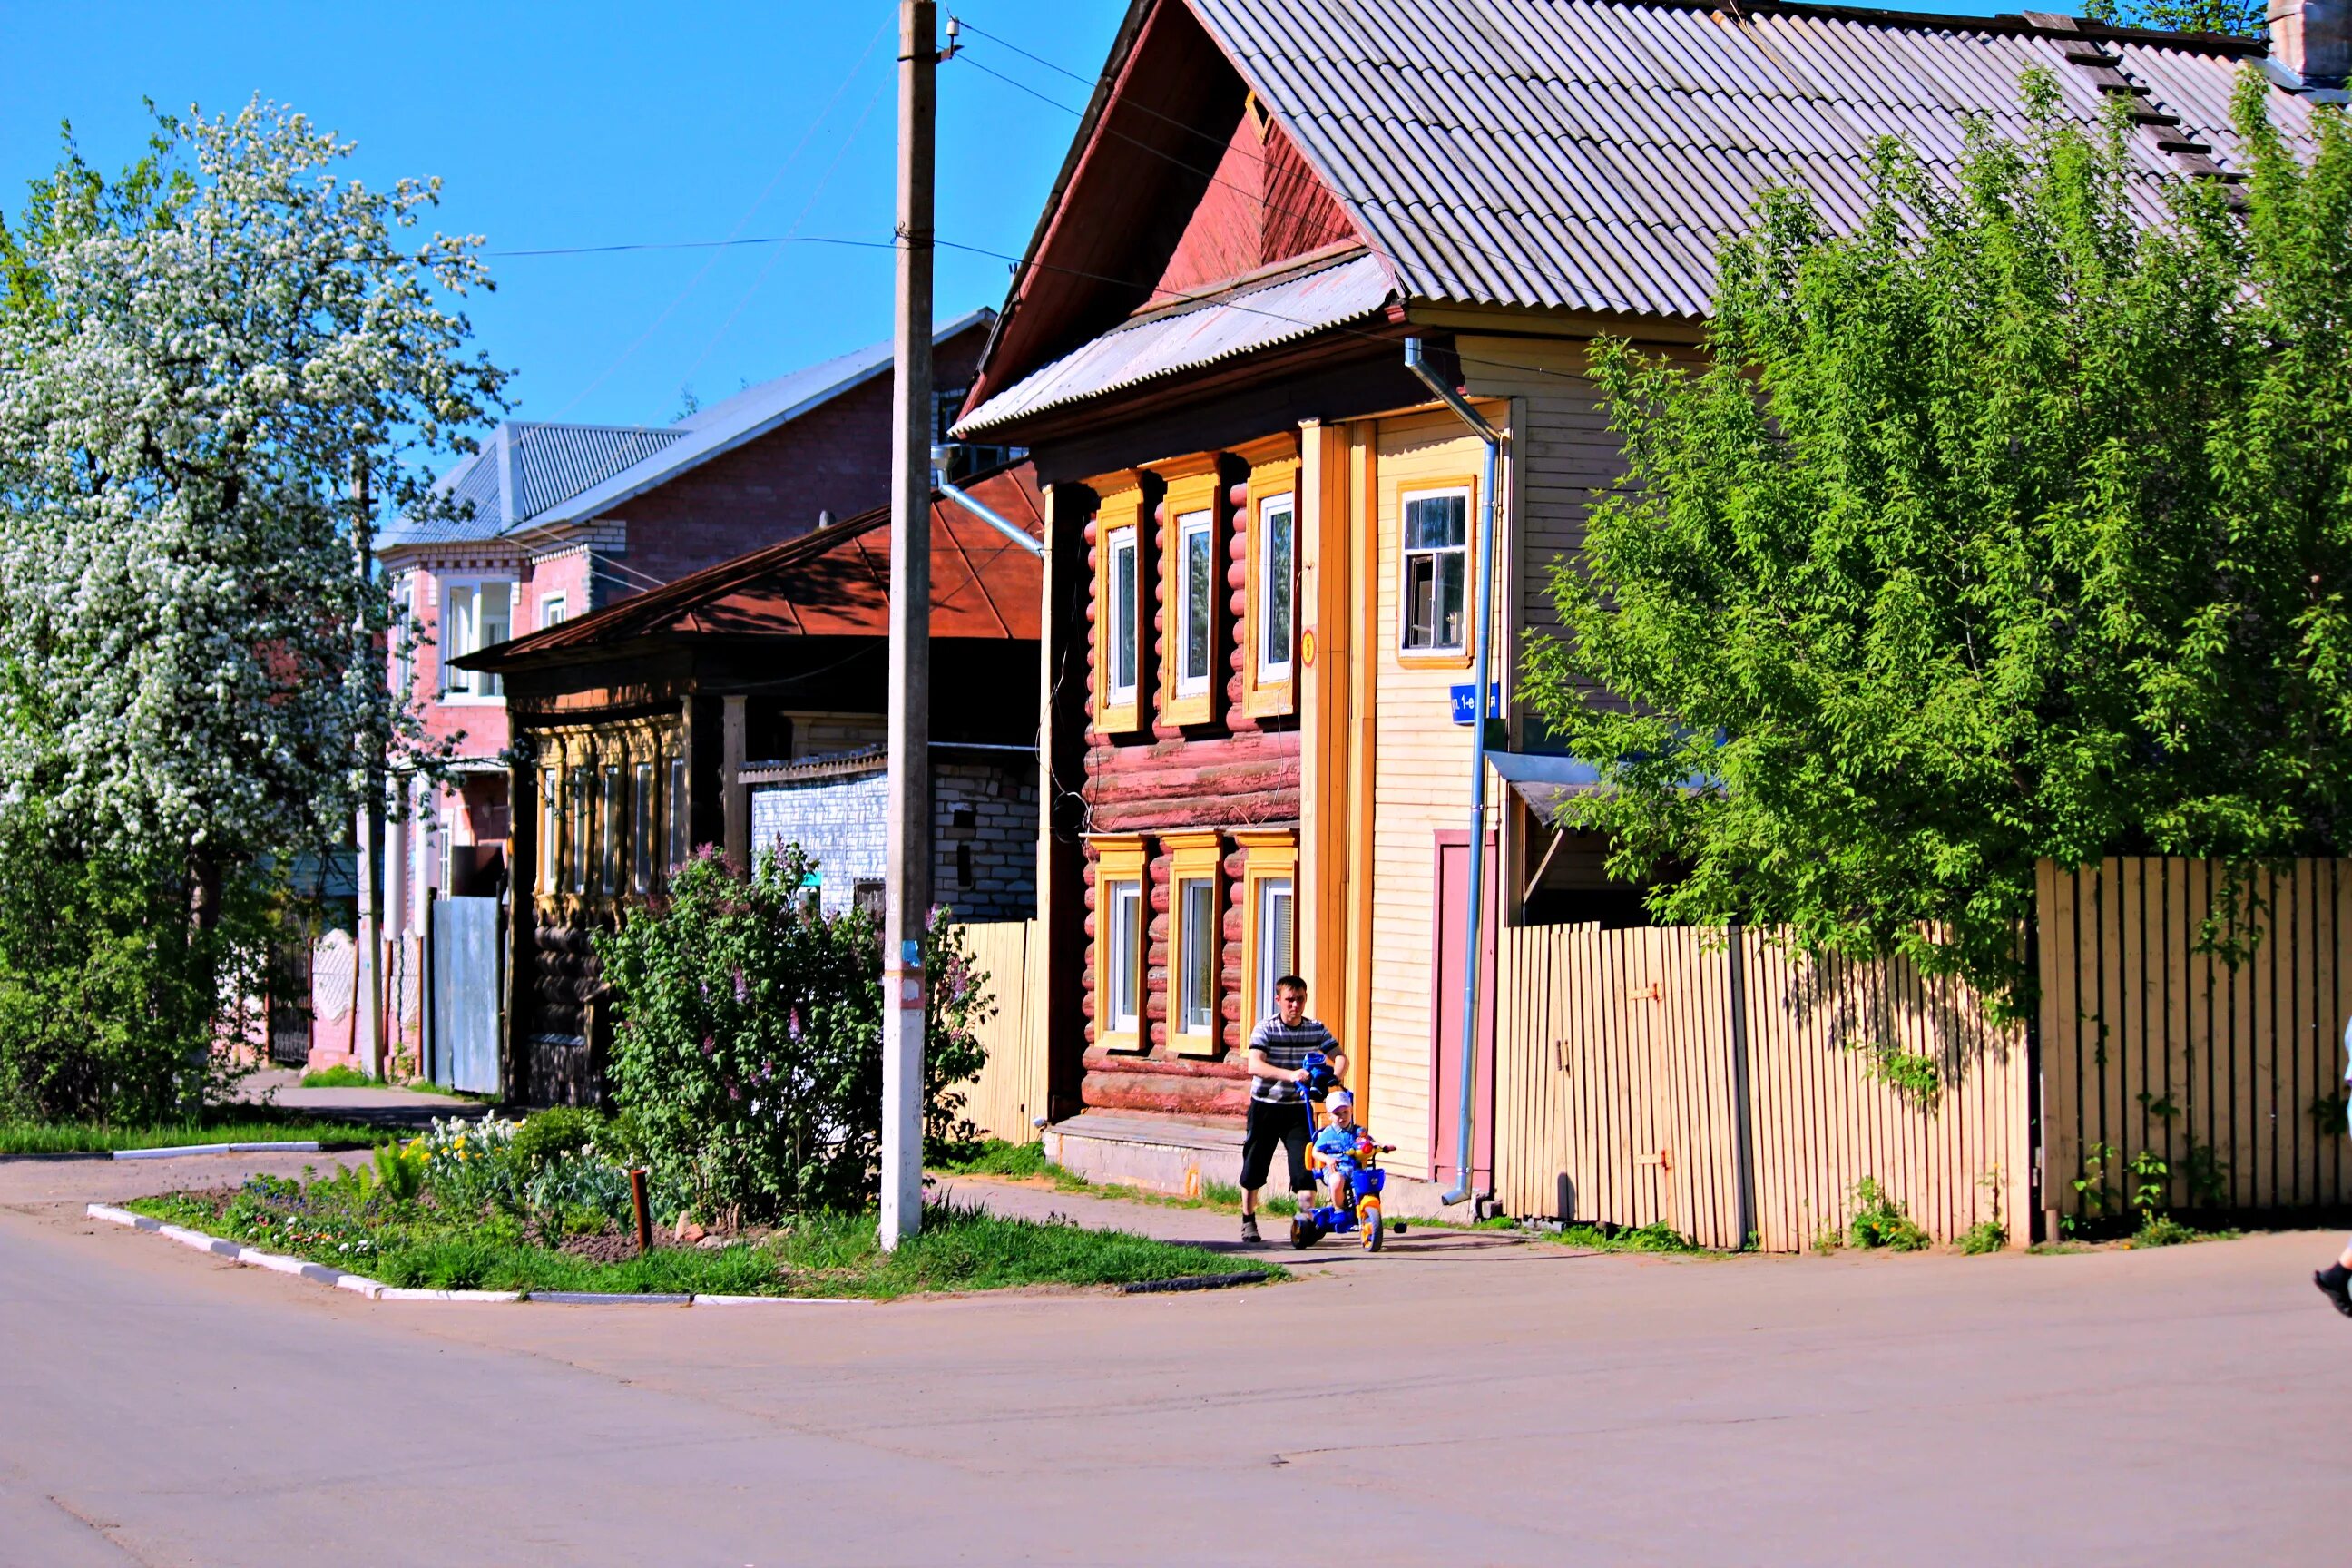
551, 521
745, 706
1280, 553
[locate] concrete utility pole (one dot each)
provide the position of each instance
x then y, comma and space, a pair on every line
908, 892
367, 1000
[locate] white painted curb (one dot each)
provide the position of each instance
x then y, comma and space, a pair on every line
376, 1290
300, 1146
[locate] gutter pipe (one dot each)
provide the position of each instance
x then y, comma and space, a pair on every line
1464, 1144
979, 509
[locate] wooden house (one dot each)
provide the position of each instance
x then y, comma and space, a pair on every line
744, 707
1265, 527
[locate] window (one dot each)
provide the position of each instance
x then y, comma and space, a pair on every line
1276, 587
1195, 614
678, 847
1121, 639
1120, 914
404, 639
1197, 954
474, 615
641, 846
1126, 974
554, 609
1436, 568
550, 831
583, 792
1269, 917
1277, 950
609, 882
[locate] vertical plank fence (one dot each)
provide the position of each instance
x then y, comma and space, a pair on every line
1010, 1092
1725, 1086
2222, 1081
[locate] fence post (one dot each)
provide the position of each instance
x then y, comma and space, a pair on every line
1743, 1116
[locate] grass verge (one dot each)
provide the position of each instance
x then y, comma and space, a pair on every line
959, 1248
339, 1076
245, 1124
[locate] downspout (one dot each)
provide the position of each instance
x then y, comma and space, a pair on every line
979, 509
1465, 1144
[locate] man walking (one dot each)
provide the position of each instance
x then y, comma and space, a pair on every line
1279, 1094
2335, 1281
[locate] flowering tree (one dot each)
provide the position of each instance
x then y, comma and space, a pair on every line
197, 361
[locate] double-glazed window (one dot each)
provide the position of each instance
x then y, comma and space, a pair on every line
1196, 955
1195, 599
678, 847
1277, 949
554, 609
474, 615
1122, 653
1123, 920
583, 813
1436, 570
609, 880
1277, 540
1197, 1008
550, 830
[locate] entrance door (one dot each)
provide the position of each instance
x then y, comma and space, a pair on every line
290, 1001
464, 972
1452, 885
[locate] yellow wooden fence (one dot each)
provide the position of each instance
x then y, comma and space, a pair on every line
1009, 1094
1726, 1086
2224, 1084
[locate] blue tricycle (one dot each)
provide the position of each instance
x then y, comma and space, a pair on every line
1356, 1180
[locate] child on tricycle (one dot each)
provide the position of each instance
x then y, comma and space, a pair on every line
1347, 1152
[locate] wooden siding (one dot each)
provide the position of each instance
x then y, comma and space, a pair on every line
1724, 1088
1010, 1093
2231, 1076
1421, 784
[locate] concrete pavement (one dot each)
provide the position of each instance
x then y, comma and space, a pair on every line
1470, 1402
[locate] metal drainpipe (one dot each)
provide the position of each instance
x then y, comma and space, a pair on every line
1465, 1145
980, 510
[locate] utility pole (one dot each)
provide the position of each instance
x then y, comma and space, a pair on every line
367, 999
907, 909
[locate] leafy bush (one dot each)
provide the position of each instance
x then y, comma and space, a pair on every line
1879, 1221
546, 1135
400, 1172
339, 1076
1985, 1236
469, 1166
747, 1052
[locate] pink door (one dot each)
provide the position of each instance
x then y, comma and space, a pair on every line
1446, 1018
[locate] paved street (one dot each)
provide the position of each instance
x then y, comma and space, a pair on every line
1463, 1399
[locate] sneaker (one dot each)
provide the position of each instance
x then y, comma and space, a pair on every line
2333, 1292
1249, 1233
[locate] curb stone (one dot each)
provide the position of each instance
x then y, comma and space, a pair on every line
297, 1146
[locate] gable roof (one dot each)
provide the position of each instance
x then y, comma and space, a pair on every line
530, 476
832, 582
1592, 155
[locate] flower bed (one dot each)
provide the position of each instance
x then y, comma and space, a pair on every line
487, 1207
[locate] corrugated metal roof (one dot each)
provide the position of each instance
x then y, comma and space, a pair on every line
1592, 154
1168, 342
542, 463
561, 473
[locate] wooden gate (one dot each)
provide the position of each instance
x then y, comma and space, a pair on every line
1009, 1094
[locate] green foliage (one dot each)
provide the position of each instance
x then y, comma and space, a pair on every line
109, 993
2235, 18
2093, 1187
2328, 1112
1879, 1221
2163, 1230
546, 1134
399, 1172
1985, 1236
1655, 1236
995, 1157
747, 1050
224, 1124
1996, 527
1913, 1075
340, 1076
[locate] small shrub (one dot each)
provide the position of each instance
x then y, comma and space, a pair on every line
2163, 1230
1879, 1221
399, 1172
1985, 1236
340, 1076
546, 1135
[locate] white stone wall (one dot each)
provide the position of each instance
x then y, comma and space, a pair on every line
843, 823
985, 867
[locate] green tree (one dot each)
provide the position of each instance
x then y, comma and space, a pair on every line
2006, 524
2235, 19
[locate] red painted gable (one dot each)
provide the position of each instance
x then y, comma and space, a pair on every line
1263, 204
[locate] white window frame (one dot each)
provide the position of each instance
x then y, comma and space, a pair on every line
554, 609
1271, 671
1191, 618
551, 829
1201, 943
1267, 966
1125, 965
479, 687
1408, 553
1121, 634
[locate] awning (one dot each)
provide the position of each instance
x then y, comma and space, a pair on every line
1542, 780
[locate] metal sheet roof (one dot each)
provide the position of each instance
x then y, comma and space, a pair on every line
1591, 154
1169, 341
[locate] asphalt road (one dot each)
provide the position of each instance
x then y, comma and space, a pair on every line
1457, 1400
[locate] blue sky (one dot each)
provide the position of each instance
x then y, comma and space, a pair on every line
589, 124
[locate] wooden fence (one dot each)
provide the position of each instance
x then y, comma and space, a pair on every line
1010, 1093
1728, 1086
2224, 1083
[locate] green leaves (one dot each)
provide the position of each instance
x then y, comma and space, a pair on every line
2001, 526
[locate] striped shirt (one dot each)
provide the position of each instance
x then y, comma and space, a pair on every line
1286, 1045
